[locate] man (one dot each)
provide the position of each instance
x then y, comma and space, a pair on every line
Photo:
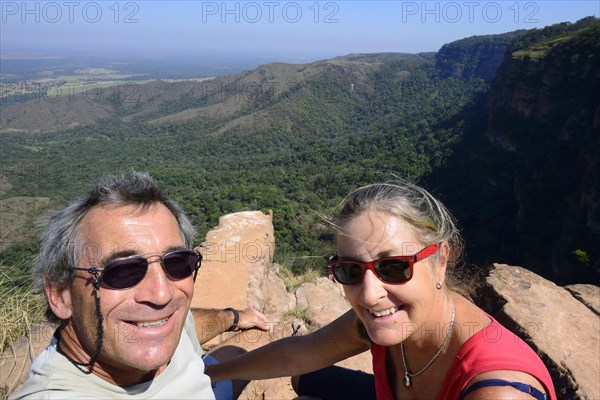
117, 271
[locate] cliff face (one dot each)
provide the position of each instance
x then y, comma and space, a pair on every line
545, 111
475, 57
529, 172
550, 80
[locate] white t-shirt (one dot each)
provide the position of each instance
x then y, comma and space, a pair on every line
52, 376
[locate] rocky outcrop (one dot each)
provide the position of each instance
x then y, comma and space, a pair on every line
235, 259
237, 271
589, 295
564, 331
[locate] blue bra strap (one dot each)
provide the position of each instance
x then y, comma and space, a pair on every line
500, 382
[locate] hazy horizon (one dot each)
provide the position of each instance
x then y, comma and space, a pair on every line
288, 30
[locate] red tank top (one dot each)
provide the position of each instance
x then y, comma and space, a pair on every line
492, 348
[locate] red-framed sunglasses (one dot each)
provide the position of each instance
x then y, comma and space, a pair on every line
395, 270
126, 272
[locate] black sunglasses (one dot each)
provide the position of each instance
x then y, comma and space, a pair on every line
126, 272
397, 269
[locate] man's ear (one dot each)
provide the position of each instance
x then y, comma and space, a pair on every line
59, 300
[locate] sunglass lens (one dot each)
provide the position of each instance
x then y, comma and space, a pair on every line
393, 270
347, 273
180, 264
124, 273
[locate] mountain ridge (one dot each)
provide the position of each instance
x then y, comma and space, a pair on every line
272, 81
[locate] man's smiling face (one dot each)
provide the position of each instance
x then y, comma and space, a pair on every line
143, 324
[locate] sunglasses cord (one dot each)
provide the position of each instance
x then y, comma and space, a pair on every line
85, 367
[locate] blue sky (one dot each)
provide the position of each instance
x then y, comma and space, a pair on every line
301, 29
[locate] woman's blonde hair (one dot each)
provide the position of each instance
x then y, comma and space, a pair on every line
428, 218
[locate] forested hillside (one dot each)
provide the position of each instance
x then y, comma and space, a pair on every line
525, 179
297, 138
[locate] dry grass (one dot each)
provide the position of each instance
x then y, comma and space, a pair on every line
293, 282
298, 313
21, 307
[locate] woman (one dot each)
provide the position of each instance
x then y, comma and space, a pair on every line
397, 247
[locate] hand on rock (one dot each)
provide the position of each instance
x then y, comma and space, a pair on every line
252, 319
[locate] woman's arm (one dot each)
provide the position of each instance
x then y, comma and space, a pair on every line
295, 355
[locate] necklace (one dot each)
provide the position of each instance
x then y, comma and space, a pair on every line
408, 374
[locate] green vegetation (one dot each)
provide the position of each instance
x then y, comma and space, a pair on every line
583, 257
539, 41
476, 56
540, 50
522, 183
293, 280
316, 147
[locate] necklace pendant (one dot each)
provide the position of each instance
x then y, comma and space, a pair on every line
406, 380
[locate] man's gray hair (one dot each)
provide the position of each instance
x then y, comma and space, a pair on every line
61, 247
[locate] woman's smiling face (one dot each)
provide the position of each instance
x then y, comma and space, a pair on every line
389, 312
